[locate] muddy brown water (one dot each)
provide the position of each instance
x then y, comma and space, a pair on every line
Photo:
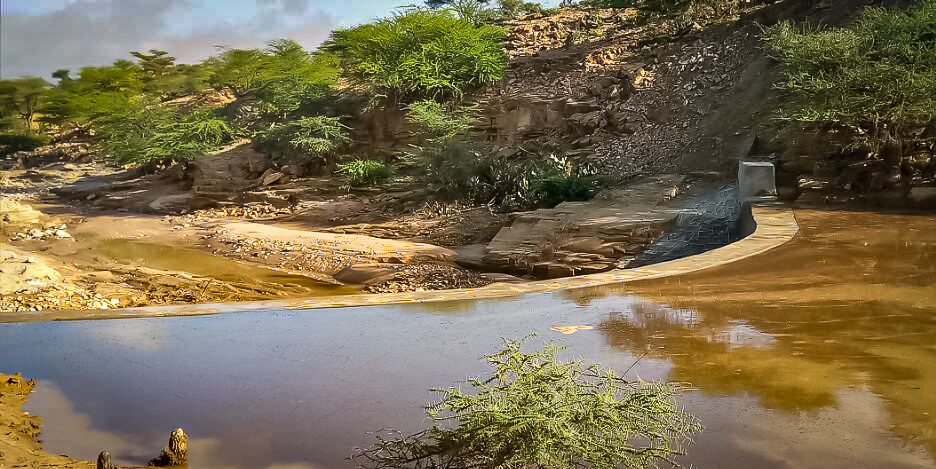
194, 261
820, 353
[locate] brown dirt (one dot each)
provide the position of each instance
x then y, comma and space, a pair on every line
19, 431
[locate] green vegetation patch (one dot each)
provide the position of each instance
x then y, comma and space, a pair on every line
538, 411
473, 173
366, 172
420, 54
875, 79
11, 142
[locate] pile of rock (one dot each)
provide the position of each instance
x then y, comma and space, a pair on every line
568, 26
54, 232
249, 211
671, 110
419, 277
52, 298
59, 152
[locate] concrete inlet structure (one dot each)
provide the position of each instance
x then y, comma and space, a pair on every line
757, 181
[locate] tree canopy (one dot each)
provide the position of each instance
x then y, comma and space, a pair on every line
289, 95
876, 77
420, 54
22, 96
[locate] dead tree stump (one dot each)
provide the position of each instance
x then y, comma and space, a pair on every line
176, 453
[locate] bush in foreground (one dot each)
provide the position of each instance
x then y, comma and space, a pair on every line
538, 412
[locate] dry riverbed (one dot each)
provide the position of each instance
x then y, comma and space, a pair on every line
102, 260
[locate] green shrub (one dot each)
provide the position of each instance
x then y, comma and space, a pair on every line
315, 136
511, 8
538, 412
441, 121
475, 174
420, 54
876, 78
556, 180
189, 137
292, 79
474, 11
124, 124
365, 172
138, 130
12, 143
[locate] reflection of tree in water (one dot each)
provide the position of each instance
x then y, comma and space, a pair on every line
849, 302
795, 357
724, 357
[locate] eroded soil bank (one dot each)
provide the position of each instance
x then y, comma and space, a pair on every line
19, 431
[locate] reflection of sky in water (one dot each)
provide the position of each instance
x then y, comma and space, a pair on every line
146, 336
297, 389
644, 314
278, 386
742, 334
647, 315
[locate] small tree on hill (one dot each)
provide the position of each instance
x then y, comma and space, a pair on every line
23, 96
156, 65
238, 70
420, 54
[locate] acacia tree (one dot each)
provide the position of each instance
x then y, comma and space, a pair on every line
293, 78
238, 70
538, 412
295, 89
23, 97
876, 78
78, 101
156, 64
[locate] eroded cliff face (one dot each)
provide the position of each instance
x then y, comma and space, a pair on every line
649, 99
627, 99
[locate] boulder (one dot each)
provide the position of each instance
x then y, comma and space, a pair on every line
363, 274
549, 270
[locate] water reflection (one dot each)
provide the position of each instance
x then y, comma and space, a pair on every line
820, 354
854, 433
267, 387
848, 303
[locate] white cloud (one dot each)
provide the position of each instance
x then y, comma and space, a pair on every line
86, 32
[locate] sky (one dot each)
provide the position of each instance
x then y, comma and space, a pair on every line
40, 36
